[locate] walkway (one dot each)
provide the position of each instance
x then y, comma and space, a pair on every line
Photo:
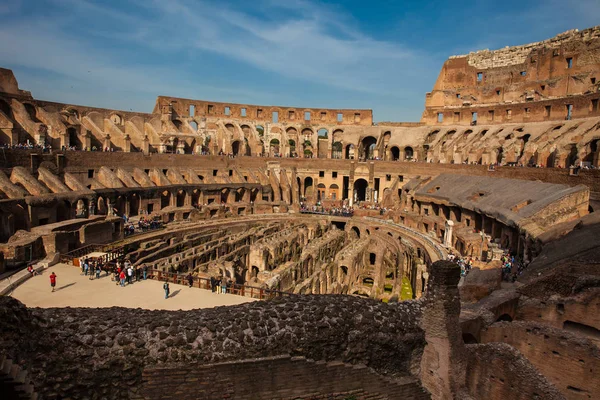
75, 290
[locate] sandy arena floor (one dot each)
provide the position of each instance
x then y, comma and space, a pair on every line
76, 290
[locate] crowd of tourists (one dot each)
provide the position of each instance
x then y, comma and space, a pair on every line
46, 148
144, 224
512, 267
465, 264
343, 211
121, 273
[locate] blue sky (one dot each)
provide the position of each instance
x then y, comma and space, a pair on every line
384, 55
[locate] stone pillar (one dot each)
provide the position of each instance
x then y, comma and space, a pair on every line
448, 233
64, 140
443, 364
180, 147
127, 146
146, 145
87, 141
162, 148
106, 144
350, 193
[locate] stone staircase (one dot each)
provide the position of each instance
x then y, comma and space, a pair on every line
15, 383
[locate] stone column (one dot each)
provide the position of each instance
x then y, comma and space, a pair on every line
87, 141
448, 233
180, 147
443, 364
106, 142
146, 145
127, 147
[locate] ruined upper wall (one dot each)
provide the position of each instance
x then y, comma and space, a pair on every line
177, 107
9, 84
555, 79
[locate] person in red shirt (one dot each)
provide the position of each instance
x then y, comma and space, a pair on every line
122, 278
53, 280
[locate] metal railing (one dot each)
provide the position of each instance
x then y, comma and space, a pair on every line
112, 253
204, 283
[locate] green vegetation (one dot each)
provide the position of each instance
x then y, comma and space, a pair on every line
406, 292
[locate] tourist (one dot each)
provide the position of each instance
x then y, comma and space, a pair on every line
166, 288
145, 270
212, 284
218, 284
129, 274
122, 278
86, 267
223, 285
32, 271
53, 280
190, 279
98, 270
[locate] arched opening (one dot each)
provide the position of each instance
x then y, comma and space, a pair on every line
408, 153
360, 190
181, 195
322, 143
356, 231
468, 338
368, 281
74, 138
321, 191
504, 317
194, 126
572, 158
260, 130
592, 150
230, 127
292, 145
551, 160
165, 199
134, 205
334, 192
349, 152
372, 258
224, 196
196, 198
499, 155
308, 189
368, 148
344, 269
395, 153
274, 147
101, 207
235, 147
6, 109
120, 205
336, 150
63, 211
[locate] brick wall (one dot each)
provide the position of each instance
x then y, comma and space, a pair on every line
276, 378
570, 363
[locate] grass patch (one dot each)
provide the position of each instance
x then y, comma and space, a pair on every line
406, 293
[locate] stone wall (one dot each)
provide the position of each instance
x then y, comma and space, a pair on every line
99, 353
571, 363
282, 377
497, 371
534, 82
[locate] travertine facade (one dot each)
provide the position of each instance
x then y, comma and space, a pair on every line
296, 202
